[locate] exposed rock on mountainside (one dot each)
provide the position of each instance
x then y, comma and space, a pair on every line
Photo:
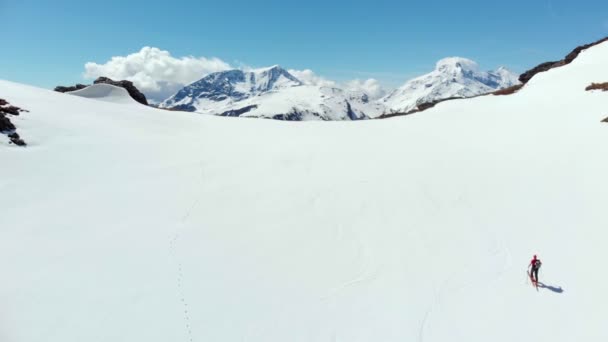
509, 90
526, 76
598, 86
6, 126
128, 85
238, 112
63, 89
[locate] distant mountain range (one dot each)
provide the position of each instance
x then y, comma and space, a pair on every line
276, 94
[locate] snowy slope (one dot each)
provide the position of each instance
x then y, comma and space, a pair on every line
270, 93
452, 77
105, 92
129, 223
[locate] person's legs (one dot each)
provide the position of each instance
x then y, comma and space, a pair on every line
535, 272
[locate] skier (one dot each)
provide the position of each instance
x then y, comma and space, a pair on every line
533, 269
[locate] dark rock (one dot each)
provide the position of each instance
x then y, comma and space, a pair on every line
293, 116
526, 76
5, 124
18, 142
10, 110
351, 113
572, 55
597, 86
183, 108
6, 108
63, 89
16, 139
509, 90
128, 85
240, 111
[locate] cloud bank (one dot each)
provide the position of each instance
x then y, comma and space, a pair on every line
370, 86
155, 72
309, 77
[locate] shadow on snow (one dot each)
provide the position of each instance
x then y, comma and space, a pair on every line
550, 288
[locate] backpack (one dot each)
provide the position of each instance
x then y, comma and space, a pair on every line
537, 264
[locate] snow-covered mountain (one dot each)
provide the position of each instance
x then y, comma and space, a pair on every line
452, 77
270, 93
230, 86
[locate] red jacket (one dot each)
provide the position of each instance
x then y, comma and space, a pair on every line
533, 262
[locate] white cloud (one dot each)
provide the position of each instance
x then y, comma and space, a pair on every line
370, 86
154, 71
309, 77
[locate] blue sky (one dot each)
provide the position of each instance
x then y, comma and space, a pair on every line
46, 43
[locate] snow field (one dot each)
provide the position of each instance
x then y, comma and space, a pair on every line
128, 223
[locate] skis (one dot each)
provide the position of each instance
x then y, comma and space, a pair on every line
534, 283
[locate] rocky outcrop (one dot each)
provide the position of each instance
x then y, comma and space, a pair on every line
508, 91
6, 126
546, 66
526, 76
16, 139
128, 85
597, 86
240, 111
572, 55
63, 89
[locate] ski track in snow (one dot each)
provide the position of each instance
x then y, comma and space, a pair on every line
499, 248
173, 251
366, 271
442, 292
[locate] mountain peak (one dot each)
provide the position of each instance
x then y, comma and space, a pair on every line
453, 77
456, 63
272, 67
